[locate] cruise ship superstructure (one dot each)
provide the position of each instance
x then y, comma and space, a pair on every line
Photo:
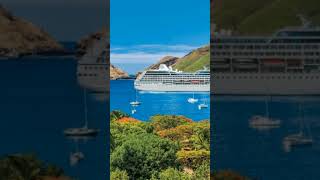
286, 63
165, 79
93, 68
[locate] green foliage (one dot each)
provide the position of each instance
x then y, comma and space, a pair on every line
173, 174
160, 148
202, 172
115, 115
201, 137
262, 17
193, 159
142, 155
119, 175
53, 171
120, 131
195, 60
162, 122
194, 136
26, 167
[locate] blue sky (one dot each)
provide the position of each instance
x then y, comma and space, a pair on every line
143, 31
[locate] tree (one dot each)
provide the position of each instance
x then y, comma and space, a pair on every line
173, 174
193, 159
119, 175
143, 155
115, 115
202, 172
162, 122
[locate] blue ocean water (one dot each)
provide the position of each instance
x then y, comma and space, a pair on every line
40, 97
260, 154
122, 92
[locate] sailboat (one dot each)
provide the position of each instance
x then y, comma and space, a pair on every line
136, 102
83, 131
192, 100
203, 105
264, 122
301, 138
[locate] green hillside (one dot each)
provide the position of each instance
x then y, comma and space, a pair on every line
262, 16
194, 61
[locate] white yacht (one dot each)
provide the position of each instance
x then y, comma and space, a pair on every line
166, 79
285, 63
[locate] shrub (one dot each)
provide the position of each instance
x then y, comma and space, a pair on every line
119, 175
143, 155
173, 174
193, 159
161, 122
202, 172
115, 115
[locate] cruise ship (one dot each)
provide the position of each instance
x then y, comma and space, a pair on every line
93, 68
286, 63
165, 79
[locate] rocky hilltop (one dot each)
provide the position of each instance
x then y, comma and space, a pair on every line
193, 61
117, 73
19, 37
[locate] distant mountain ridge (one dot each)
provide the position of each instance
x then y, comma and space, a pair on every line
19, 37
117, 73
252, 17
193, 61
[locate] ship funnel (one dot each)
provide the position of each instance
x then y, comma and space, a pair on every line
305, 22
163, 67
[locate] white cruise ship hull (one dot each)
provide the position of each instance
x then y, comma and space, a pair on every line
160, 87
266, 84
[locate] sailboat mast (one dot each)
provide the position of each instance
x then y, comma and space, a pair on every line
301, 118
267, 108
85, 108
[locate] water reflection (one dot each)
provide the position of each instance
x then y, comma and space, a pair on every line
256, 146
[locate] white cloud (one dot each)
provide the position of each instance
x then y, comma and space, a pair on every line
148, 53
140, 57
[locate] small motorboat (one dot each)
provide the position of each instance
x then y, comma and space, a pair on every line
133, 111
202, 106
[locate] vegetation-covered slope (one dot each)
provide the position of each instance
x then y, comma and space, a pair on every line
165, 147
195, 60
262, 17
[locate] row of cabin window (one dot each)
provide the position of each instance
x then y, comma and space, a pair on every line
266, 53
266, 77
84, 74
265, 47
96, 68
